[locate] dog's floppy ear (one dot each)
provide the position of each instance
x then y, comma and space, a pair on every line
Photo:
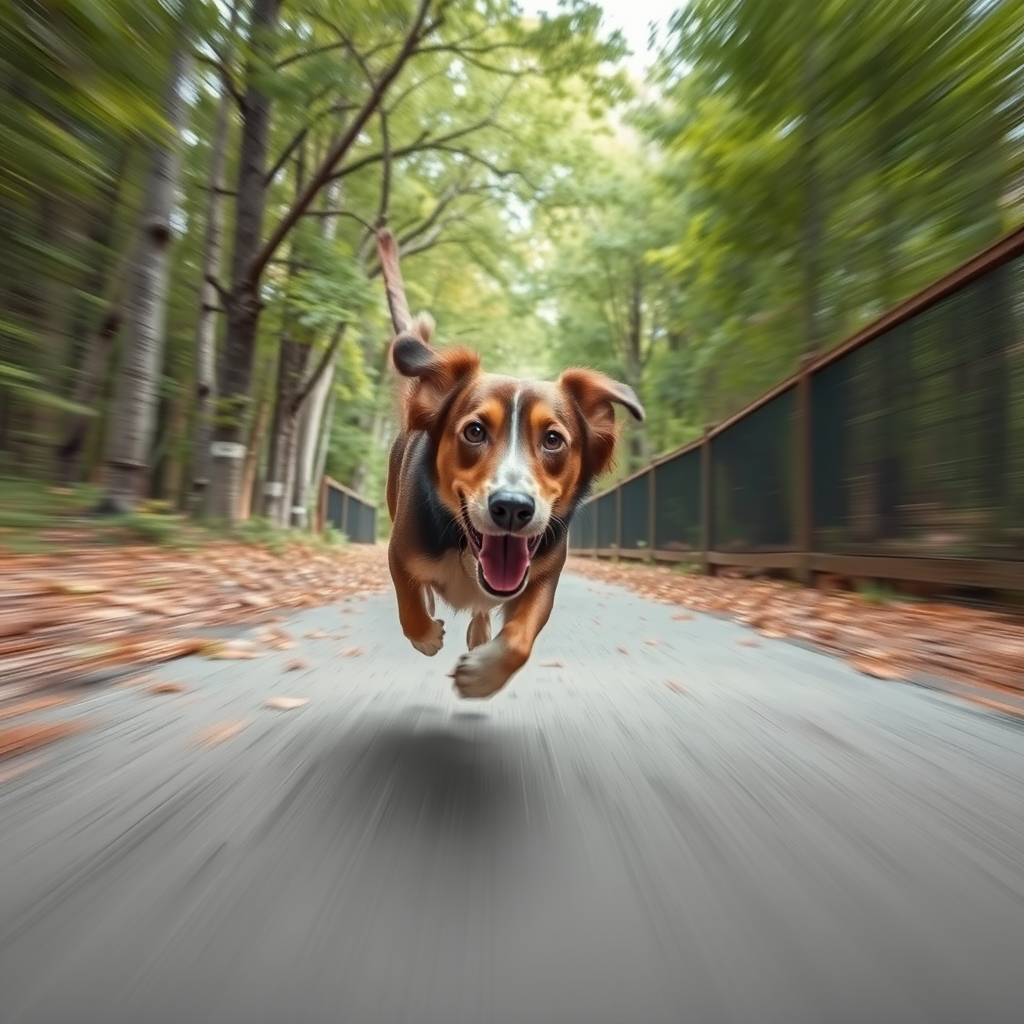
435, 373
595, 395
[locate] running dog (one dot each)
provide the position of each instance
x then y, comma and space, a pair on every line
483, 480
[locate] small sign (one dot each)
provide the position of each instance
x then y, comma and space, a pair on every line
227, 450
274, 488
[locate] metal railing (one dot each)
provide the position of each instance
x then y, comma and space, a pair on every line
897, 455
347, 512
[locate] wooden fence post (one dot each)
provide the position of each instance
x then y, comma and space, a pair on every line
706, 504
804, 483
652, 512
618, 522
321, 506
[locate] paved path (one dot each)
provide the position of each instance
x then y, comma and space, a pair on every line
783, 840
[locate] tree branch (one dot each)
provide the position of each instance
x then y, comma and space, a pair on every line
341, 213
423, 144
325, 360
385, 183
325, 171
225, 295
300, 135
227, 79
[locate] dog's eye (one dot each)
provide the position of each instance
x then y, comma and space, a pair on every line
474, 433
553, 441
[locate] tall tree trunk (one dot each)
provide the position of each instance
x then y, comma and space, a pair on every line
243, 302
209, 301
291, 368
323, 444
315, 406
252, 457
89, 383
91, 344
311, 420
139, 374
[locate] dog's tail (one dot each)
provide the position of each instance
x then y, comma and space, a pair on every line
423, 325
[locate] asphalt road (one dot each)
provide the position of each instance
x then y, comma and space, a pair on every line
773, 838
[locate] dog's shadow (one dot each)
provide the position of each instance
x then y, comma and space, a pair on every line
412, 790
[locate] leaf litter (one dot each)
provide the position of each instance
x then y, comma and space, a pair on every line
890, 640
93, 609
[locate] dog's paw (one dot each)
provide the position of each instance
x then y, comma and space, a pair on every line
433, 641
479, 631
482, 672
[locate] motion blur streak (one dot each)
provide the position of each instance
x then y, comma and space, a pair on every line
775, 839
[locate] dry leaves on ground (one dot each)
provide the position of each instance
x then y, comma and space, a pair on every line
96, 609
886, 640
19, 739
552, 663
218, 733
286, 703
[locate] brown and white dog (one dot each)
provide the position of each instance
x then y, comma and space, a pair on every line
483, 481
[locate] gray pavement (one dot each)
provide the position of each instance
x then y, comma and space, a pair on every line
772, 838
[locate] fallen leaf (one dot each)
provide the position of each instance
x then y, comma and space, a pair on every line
682, 617
295, 665
214, 734
622, 650
676, 688
162, 688
352, 652
316, 634
552, 663
233, 650
877, 668
651, 642
19, 739
747, 641
286, 703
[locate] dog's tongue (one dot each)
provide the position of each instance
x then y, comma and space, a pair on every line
504, 561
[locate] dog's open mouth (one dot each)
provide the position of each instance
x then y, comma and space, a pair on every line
503, 559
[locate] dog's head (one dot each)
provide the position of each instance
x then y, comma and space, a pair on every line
513, 457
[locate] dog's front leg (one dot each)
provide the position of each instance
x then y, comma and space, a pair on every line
424, 632
483, 671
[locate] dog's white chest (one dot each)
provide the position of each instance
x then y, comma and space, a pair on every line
453, 579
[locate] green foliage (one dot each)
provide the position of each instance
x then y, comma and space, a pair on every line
788, 172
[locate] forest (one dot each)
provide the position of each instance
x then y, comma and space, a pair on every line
191, 308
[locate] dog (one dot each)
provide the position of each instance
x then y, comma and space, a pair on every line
484, 478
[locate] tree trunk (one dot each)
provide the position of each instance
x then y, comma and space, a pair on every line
209, 301
291, 368
324, 443
252, 458
313, 410
89, 384
311, 427
227, 453
139, 375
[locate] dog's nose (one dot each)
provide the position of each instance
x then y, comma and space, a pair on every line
511, 510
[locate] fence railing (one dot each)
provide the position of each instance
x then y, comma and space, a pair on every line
347, 512
897, 455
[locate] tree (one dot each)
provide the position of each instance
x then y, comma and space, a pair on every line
138, 376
